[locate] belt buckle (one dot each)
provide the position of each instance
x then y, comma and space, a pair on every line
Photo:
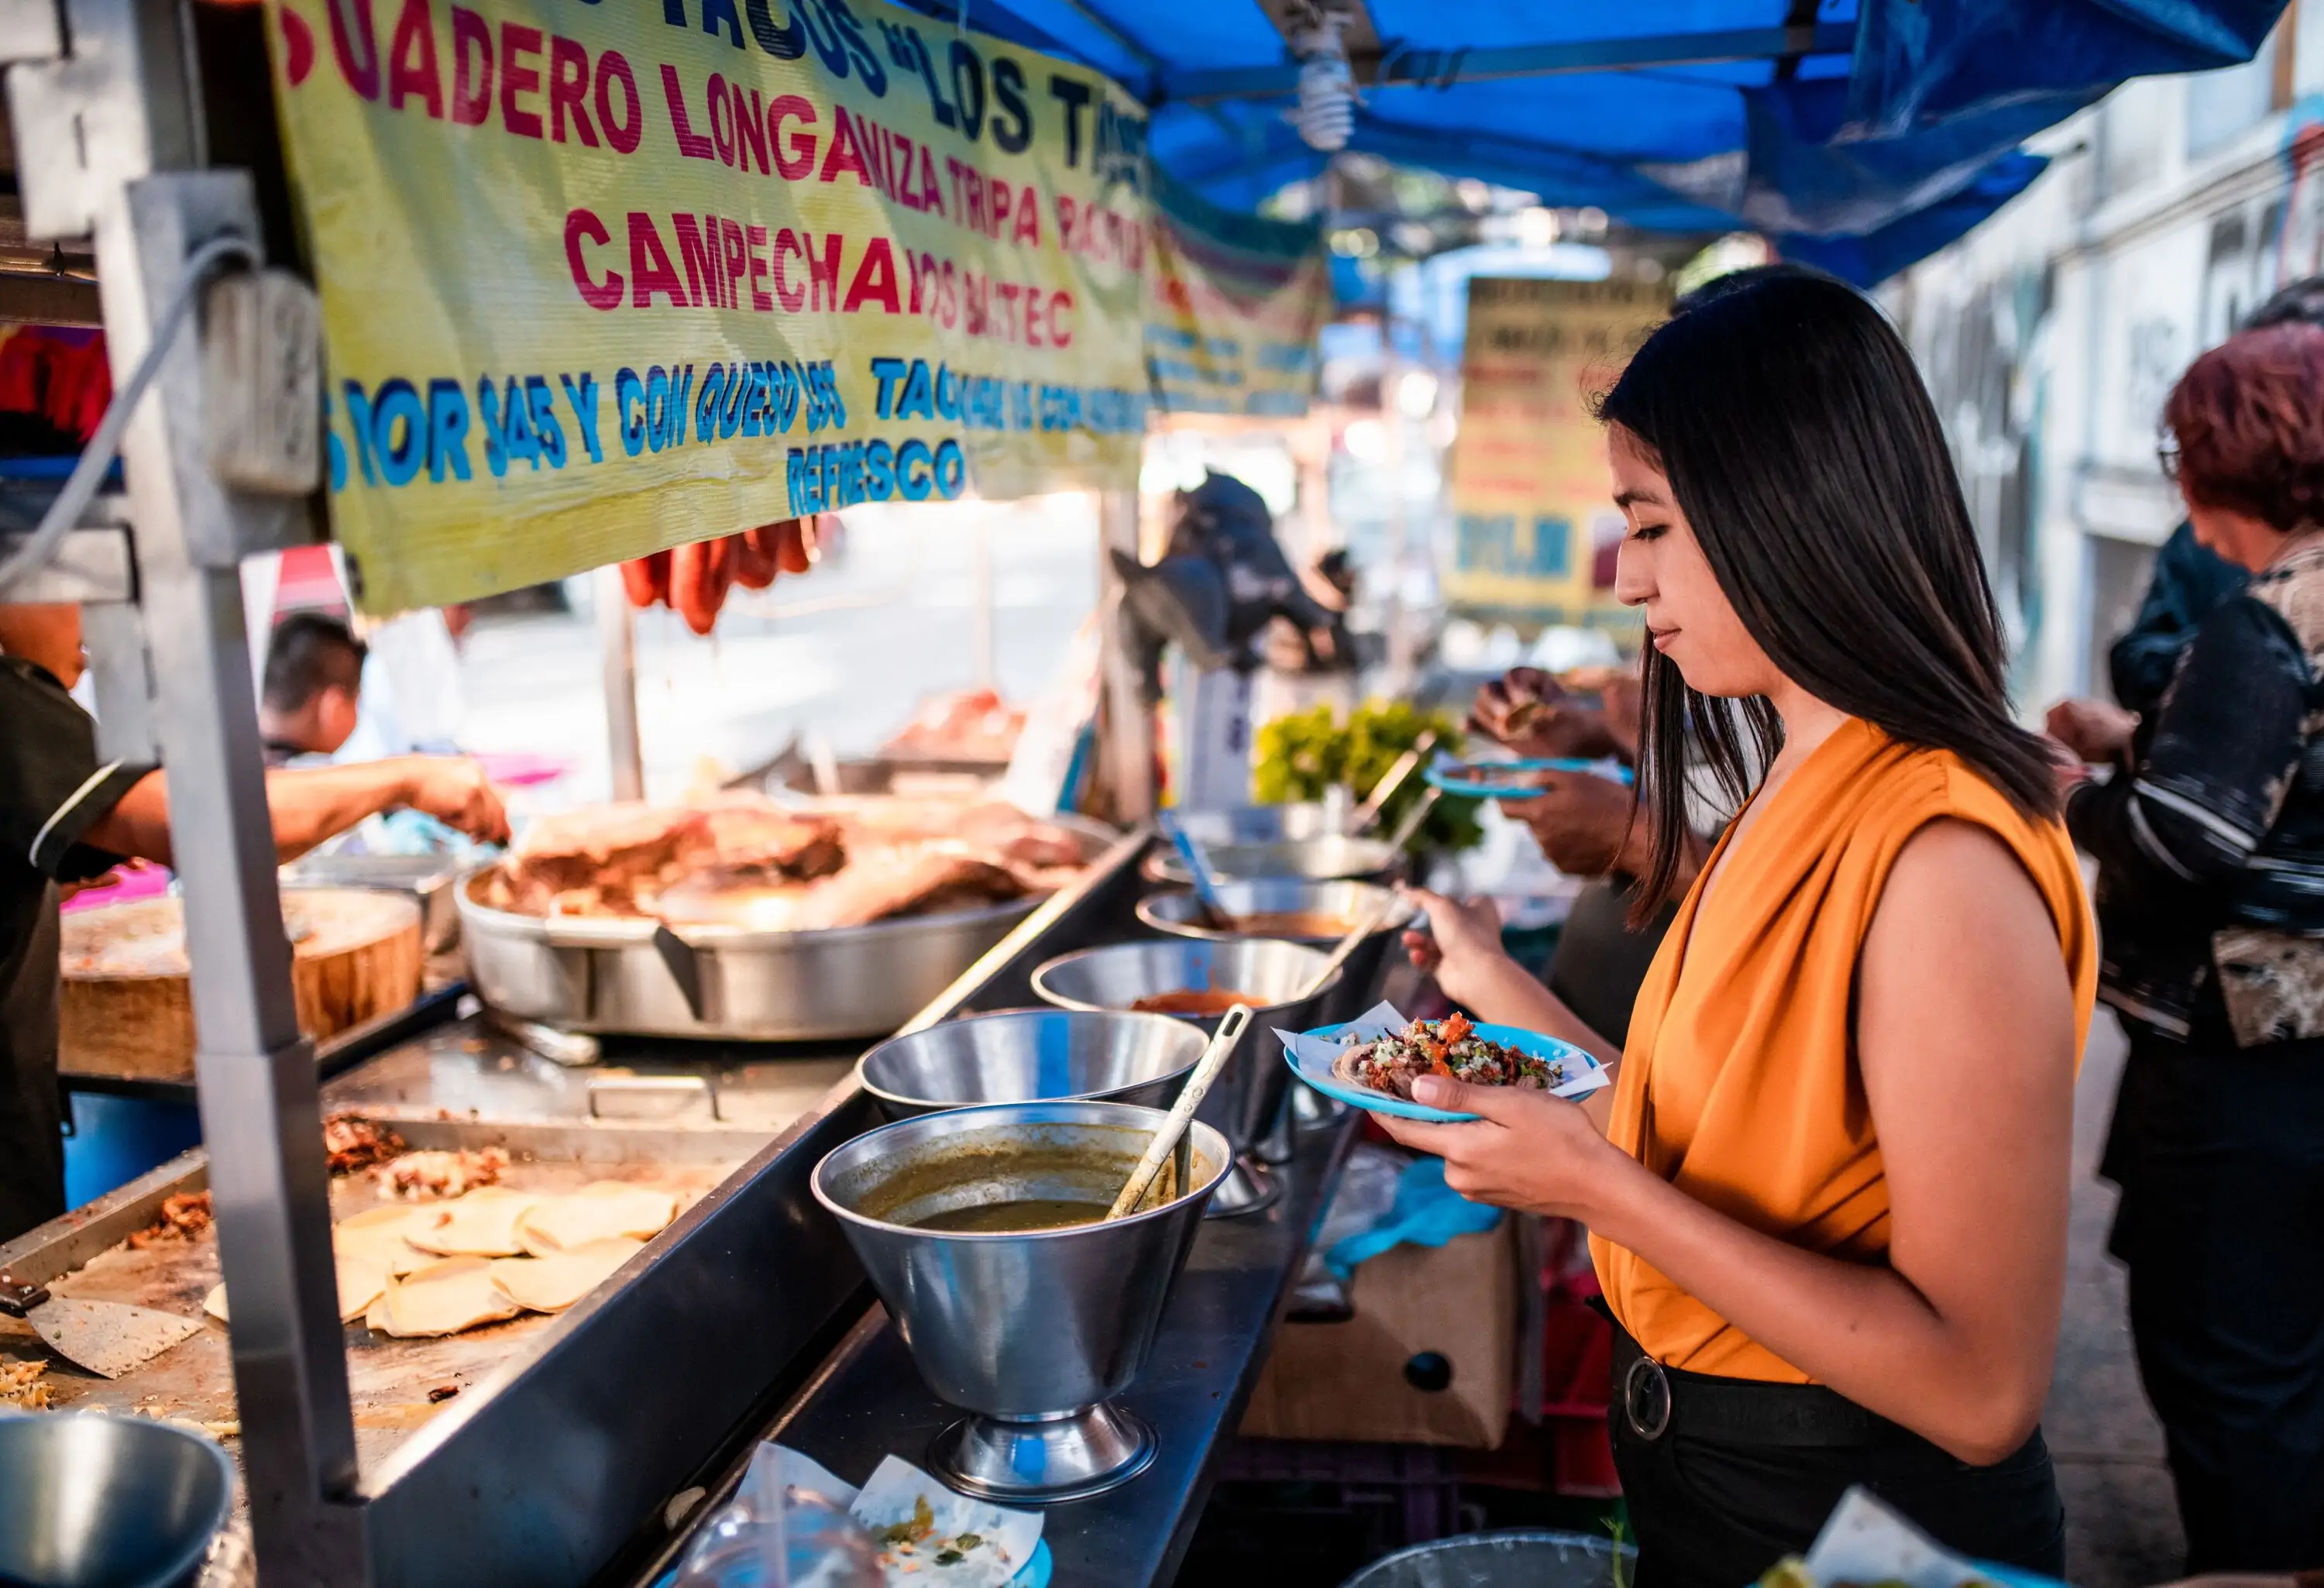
1646, 1398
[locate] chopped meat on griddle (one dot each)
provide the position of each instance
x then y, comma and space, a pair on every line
182, 1217
906, 879
421, 1177
610, 853
351, 1142
757, 840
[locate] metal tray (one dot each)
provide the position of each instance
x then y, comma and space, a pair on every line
643, 978
398, 1385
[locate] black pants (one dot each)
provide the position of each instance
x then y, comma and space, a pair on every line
2220, 1152
1746, 1473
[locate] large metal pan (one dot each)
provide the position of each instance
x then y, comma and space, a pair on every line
643, 978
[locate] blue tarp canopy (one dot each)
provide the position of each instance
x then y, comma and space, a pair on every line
1861, 135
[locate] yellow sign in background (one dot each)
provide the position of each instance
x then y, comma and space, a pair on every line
603, 277
1535, 527
1235, 303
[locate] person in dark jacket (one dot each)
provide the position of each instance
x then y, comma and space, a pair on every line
2190, 581
2209, 840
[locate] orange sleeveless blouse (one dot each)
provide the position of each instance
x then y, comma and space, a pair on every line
1739, 1083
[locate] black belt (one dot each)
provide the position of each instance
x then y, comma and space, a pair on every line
1654, 1400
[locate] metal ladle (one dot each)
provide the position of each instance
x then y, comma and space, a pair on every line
1165, 1139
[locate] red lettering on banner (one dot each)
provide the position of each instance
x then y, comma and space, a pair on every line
580, 224
845, 154
1028, 219
737, 259
623, 133
1061, 333
569, 86
750, 130
411, 62
472, 67
651, 271
822, 271
792, 298
722, 120
701, 259
794, 161
756, 238
875, 280
690, 144
516, 41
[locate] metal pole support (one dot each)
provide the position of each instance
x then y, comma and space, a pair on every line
260, 1110
109, 141
1126, 734
617, 632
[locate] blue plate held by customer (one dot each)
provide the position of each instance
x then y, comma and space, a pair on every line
1504, 780
1312, 1055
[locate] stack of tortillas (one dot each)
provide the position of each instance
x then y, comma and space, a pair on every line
439, 1268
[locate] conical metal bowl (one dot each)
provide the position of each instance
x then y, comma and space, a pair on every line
1247, 1100
87, 1500
1034, 1055
1032, 1332
1346, 901
1319, 859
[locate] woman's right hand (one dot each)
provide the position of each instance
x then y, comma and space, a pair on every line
1462, 948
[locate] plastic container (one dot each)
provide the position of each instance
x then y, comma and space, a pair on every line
1515, 1558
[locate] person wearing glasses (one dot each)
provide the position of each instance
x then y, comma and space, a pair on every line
2209, 839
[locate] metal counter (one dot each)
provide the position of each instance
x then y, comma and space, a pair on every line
869, 1401
561, 1461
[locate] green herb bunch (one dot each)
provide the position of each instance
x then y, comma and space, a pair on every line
1302, 755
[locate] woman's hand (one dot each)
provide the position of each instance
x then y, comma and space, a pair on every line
2093, 730
1461, 946
1526, 1150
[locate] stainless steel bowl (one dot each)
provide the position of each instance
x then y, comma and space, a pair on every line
1032, 1332
1034, 1055
95, 1502
1249, 1095
1321, 859
1178, 914
1262, 824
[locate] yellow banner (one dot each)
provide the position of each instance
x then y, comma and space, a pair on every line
1235, 305
1536, 529
605, 276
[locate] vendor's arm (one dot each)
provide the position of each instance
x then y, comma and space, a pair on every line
310, 806
2226, 744
1966, 1044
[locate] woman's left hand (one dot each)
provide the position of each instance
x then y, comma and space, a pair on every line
1526, 1150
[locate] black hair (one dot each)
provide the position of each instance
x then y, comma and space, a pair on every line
2300, 302
1804, 451
308, 653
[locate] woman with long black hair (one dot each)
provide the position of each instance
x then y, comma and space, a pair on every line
1828, 1190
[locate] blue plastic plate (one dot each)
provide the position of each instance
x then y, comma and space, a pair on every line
1320, 1076
1490, 779
1035, 1573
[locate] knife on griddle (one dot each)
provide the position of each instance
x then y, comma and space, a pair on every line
106, 1337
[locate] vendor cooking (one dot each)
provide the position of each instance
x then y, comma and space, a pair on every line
65, 817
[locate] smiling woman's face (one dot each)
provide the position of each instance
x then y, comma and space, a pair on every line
1662, 568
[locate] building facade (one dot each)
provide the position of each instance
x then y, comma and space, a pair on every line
2052, 334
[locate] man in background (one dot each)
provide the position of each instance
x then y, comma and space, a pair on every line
312, 688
